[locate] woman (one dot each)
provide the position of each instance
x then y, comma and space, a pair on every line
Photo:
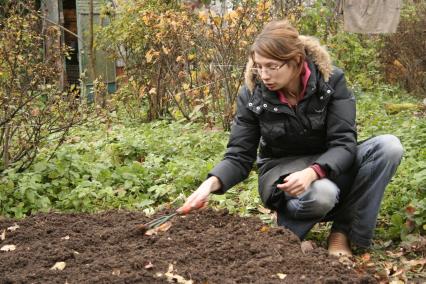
296, 108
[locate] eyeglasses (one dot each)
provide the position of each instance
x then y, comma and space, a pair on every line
268, 70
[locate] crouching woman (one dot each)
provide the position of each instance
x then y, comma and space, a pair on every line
296, 118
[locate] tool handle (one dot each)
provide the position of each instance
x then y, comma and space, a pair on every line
185, 210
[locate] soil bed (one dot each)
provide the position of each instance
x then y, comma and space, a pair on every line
205, 247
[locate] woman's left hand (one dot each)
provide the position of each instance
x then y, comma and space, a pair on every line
297, 183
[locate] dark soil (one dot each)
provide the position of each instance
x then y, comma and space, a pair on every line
205, 247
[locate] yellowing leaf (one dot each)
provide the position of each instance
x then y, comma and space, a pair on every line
415, 262
162, 228
185, 86
166, 50
149, 56
264, 229
203, 16
174, 278
145, 19
13, 228
281, 275
116, 272
191, 56
58, 266
366, 257
8, 248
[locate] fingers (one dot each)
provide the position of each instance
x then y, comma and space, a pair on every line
195, 201
292, 185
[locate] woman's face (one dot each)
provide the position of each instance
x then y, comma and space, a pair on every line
276, 75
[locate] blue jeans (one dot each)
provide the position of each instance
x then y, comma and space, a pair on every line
352, 200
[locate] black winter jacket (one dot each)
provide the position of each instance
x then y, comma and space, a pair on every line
322, 124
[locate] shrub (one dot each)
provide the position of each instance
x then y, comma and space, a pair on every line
32, 107
403, 54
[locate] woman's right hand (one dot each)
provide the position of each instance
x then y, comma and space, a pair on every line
199, 198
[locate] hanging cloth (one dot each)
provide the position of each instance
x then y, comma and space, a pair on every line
370, 16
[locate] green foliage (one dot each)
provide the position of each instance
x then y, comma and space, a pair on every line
408, 187
132, 167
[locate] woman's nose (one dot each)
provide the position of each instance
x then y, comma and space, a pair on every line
264, 75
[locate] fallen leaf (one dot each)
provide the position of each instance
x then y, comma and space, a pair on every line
149, 265
410, 209
3, 235
346, 261
395, 255
8, 248
264, 229
116, 272
397, 272
307, 246
415, 262
58, 266
65, 238
281, 275
174, 278
366, 257
162, 228
13, 228
263, 210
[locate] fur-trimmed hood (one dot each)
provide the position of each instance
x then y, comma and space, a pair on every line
314, 50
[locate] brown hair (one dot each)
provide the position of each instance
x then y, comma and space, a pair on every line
279, 40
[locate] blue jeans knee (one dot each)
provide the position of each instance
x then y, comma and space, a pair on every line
315, 203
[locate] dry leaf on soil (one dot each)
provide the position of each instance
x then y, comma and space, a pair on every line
281, 275
174, 278
3, 235
264, 229
149, 265
162, 228
13, 228
346, 261
116, 272
307, 246
366, 257
8, 248
58, 266
415, 262
263, 210
65, 238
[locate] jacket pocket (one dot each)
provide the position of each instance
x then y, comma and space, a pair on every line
272, 131
317, 120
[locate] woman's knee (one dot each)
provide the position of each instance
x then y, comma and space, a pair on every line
390, 148
323, 195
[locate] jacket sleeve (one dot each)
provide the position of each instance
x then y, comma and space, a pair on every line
341, 128
242, 146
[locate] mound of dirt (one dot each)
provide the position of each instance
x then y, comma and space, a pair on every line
203, 247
